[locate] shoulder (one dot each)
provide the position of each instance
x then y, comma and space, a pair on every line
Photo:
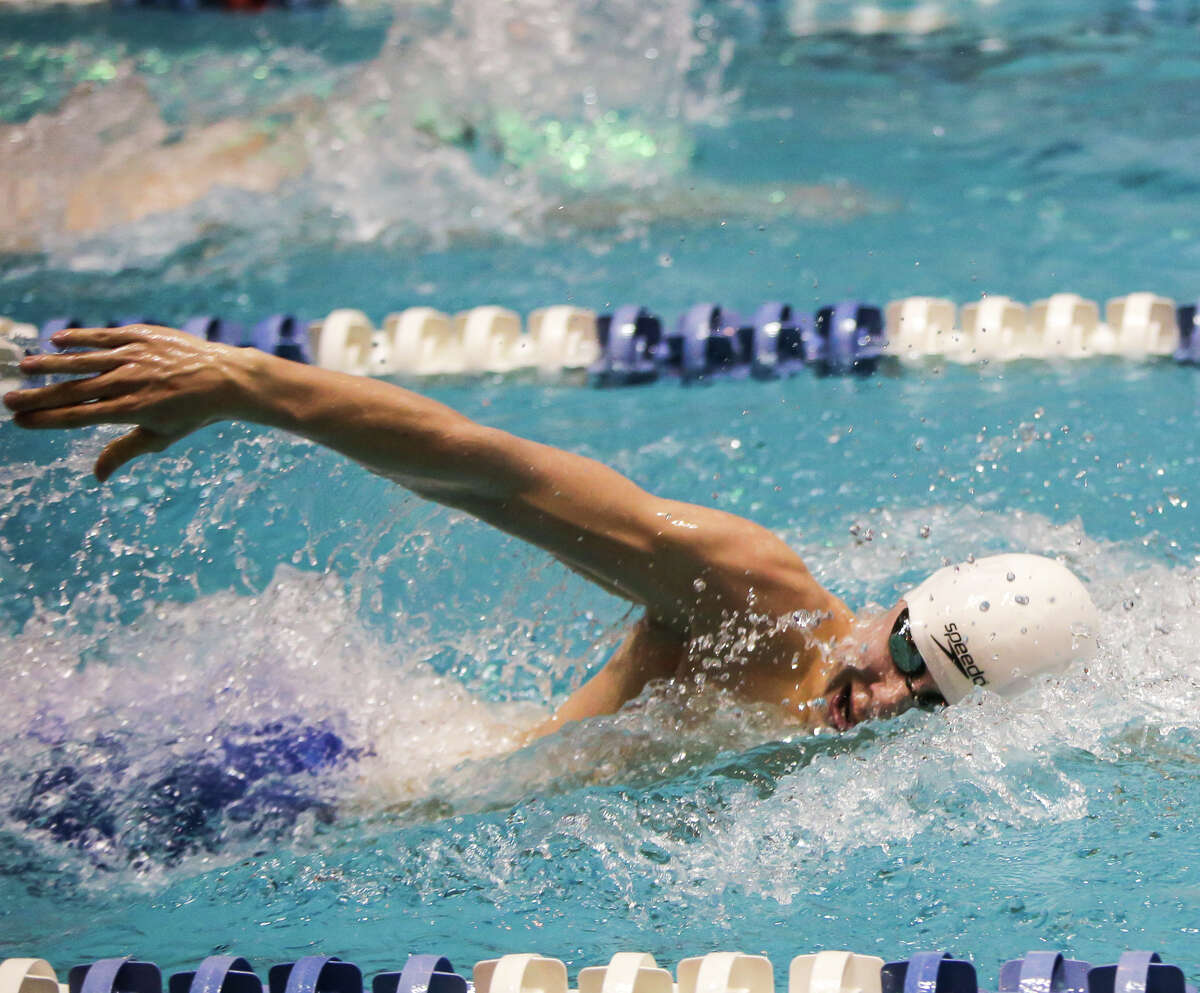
740, 566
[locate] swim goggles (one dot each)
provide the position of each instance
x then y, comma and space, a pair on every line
903, 649
907, 659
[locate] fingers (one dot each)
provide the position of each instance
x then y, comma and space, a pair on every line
65, 394
120, 410
129, 446
77, 363
102, 337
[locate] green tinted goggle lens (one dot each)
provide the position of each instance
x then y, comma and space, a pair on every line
904, 653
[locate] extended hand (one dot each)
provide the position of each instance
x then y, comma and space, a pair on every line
164, 381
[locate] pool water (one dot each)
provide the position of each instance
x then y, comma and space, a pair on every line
261, 700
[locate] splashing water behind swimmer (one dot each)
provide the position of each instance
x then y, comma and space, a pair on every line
455, 122
421, 615
238, 665
986, 827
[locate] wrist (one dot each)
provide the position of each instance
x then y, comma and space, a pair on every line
246, 373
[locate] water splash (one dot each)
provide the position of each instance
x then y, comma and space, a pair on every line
288, 710
392, 623
465, 124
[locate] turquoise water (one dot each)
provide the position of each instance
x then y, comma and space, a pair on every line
346, 666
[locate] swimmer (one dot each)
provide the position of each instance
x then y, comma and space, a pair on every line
696, 573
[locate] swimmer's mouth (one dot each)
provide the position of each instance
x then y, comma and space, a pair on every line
838, 710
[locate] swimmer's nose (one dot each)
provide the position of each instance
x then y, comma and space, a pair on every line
845, 675
889, 699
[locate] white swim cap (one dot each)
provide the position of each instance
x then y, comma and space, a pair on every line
999, 621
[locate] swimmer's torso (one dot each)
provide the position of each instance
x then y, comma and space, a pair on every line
783, 660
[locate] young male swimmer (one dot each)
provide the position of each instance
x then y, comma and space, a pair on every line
699, 573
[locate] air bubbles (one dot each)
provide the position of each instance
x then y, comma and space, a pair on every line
984, 606
699, 585
862, 534
1011, 576
1022, 599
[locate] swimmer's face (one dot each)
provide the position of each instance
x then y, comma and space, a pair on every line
868, 684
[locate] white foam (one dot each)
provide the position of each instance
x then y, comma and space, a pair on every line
177, 679
986, 766
472, 124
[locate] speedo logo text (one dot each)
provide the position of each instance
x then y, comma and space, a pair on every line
956, 651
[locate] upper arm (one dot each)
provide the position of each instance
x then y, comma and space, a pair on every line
648, 651
684, 562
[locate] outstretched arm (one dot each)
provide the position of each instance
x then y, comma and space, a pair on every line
689, 565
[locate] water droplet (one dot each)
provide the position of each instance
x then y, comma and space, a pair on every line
1129, 604
924, 532
1011, 576
985, 606
1022, 599
699, 585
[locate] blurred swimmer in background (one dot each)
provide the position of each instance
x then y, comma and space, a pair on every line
725, 601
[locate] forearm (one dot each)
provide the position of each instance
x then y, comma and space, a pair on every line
679, 560
585, 513
682, 561
580, 510
392, 431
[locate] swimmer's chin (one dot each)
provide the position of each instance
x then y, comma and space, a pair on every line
817, 716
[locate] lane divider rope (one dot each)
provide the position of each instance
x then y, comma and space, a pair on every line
626, 972
631, 344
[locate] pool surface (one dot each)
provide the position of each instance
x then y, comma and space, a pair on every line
260, 700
